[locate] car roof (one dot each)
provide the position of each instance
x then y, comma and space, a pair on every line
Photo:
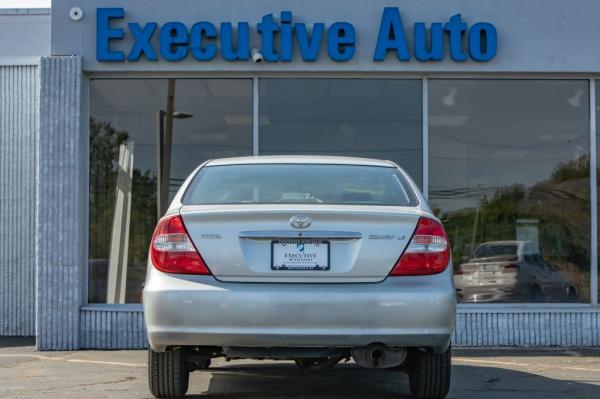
300, 159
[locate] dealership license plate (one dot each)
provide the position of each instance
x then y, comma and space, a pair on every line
300, 255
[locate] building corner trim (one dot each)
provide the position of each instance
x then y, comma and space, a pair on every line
58, 239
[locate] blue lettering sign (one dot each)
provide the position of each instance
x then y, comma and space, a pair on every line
455, 28
483, 42
391, 36
173, 41
142, 44
267, 29
104, 34
481, 45
243, 42
340, 41
201, 32
280, 34
435, 50
309, 44
287, 32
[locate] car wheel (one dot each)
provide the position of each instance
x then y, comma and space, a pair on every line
314, 364
168, 375
429, 374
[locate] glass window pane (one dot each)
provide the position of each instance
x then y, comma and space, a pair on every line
212, 118
300, 184
509, 176
220, 126
372, 118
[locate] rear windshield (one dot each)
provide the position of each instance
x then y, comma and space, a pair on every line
299, 184
486, 251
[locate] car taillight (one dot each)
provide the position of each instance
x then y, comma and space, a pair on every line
172, 250
428, 252
512, 268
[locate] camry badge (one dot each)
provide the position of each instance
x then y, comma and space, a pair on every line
300, 221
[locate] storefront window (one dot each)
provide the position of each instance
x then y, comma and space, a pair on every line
509, 176
374, 118
210, 118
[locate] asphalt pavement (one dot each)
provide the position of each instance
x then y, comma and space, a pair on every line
476, 373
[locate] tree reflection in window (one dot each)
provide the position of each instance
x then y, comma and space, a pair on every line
105, 141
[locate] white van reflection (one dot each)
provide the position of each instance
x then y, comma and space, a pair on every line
511, 271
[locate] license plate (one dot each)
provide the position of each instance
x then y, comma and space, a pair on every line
300, 255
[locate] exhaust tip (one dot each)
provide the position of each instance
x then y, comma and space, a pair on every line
377, 355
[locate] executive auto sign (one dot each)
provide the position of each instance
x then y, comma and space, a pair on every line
206, 40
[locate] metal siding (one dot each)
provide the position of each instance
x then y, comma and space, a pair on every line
124, 329
59, 241
112, 329
527, 328
19, 102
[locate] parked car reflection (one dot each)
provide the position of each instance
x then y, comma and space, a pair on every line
511, 271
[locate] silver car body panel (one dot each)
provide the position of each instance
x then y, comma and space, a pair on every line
200, 310
245, 303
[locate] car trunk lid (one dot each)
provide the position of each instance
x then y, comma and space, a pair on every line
257, 243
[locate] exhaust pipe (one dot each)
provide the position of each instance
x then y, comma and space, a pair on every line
379, 356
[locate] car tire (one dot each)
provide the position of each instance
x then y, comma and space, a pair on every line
429, 374
168, 375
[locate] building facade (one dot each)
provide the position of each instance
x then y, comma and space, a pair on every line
491, 107
24, 38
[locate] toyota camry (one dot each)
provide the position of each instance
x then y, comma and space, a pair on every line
304, 258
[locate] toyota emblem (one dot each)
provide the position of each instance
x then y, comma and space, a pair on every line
300, 221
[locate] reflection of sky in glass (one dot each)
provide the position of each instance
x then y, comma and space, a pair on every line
486, 134
372, 118
221, 124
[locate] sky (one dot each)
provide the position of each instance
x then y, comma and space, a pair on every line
24, 3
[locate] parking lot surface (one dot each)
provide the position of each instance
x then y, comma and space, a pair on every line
477, 373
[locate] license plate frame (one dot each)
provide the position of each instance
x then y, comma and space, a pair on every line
297, 266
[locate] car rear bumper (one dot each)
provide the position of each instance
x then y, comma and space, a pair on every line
200, 310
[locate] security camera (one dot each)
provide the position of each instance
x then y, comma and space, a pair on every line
75, 13
256, 55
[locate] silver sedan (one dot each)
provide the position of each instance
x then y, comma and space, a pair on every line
312, 259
